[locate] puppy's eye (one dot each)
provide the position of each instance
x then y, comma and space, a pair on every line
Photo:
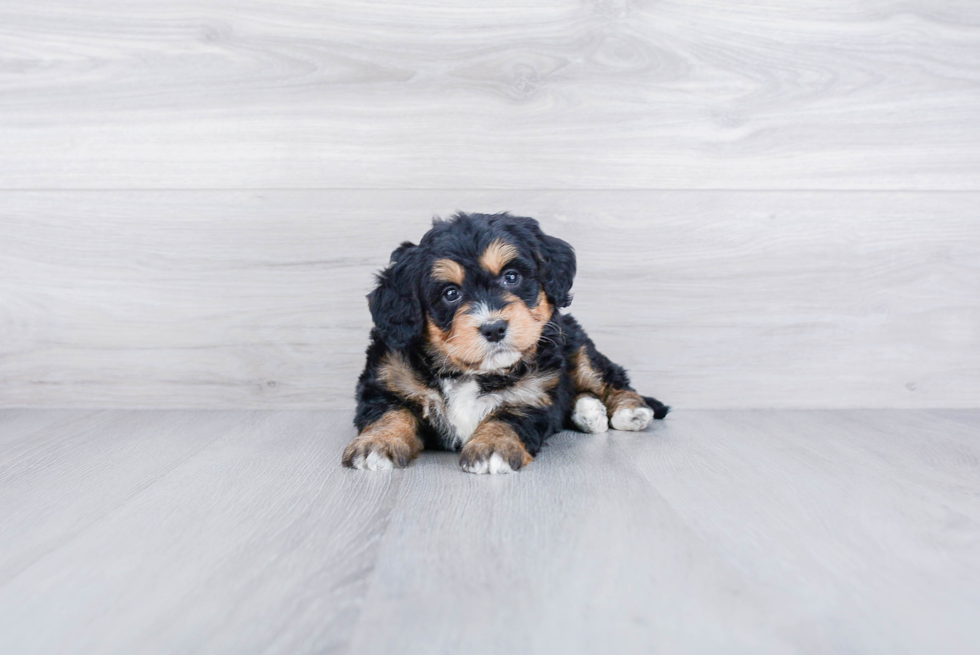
511, 277
450, 294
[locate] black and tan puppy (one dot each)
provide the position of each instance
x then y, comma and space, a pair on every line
469, 352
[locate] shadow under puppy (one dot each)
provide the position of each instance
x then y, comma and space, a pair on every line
469, 352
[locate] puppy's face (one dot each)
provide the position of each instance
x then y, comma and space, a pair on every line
485, 307
476, 292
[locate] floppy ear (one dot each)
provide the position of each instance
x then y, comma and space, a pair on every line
394, 303
556, 260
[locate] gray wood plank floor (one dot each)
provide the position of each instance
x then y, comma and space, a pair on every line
716, 531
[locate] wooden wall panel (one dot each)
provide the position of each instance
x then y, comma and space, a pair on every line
534, 94
774, 204
712, 299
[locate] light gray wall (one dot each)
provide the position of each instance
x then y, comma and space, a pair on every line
774, 204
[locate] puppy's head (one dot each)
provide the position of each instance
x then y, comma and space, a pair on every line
476, 292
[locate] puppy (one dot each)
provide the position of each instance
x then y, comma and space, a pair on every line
470, 353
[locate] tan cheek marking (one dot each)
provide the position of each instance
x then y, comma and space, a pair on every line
526, 324
435, 332
542, 311
466, 342
524, 330
394, 435
462, 344
495, 437
437, 337
446, 270
497, 254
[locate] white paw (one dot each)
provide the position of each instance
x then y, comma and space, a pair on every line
632, 418
494, 465
373, 462
590, 415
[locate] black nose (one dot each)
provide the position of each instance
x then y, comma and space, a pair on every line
494, 331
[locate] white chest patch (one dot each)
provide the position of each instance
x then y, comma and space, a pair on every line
465, 407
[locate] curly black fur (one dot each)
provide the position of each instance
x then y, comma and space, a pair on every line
407, 297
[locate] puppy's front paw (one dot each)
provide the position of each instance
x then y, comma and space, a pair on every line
480, 456
391, 441
589, 415
481, 465
632, 418
371, 454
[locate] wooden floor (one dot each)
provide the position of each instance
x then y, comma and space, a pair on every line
715, 532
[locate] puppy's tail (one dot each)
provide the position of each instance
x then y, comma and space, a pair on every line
659, 409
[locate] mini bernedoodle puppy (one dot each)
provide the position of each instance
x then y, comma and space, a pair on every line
470, 353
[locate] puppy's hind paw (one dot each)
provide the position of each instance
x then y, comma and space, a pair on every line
632, 418
589, 415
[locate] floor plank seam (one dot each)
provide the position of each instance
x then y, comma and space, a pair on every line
391, 505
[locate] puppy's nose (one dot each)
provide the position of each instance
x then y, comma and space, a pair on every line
494, 331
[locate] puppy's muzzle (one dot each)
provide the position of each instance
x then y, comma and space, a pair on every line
494, 331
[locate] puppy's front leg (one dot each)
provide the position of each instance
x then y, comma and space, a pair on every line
494, 448
392, 440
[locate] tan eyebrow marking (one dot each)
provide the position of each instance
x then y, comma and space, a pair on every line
446, 270
497, 254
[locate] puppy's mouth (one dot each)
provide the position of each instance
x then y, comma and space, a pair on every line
481, 340
499, 356
486, 358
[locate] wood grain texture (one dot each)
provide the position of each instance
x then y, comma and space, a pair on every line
711, 299
215, 532
716, 531
834, 512
531, 94
576, 554
70, 475
16, 424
